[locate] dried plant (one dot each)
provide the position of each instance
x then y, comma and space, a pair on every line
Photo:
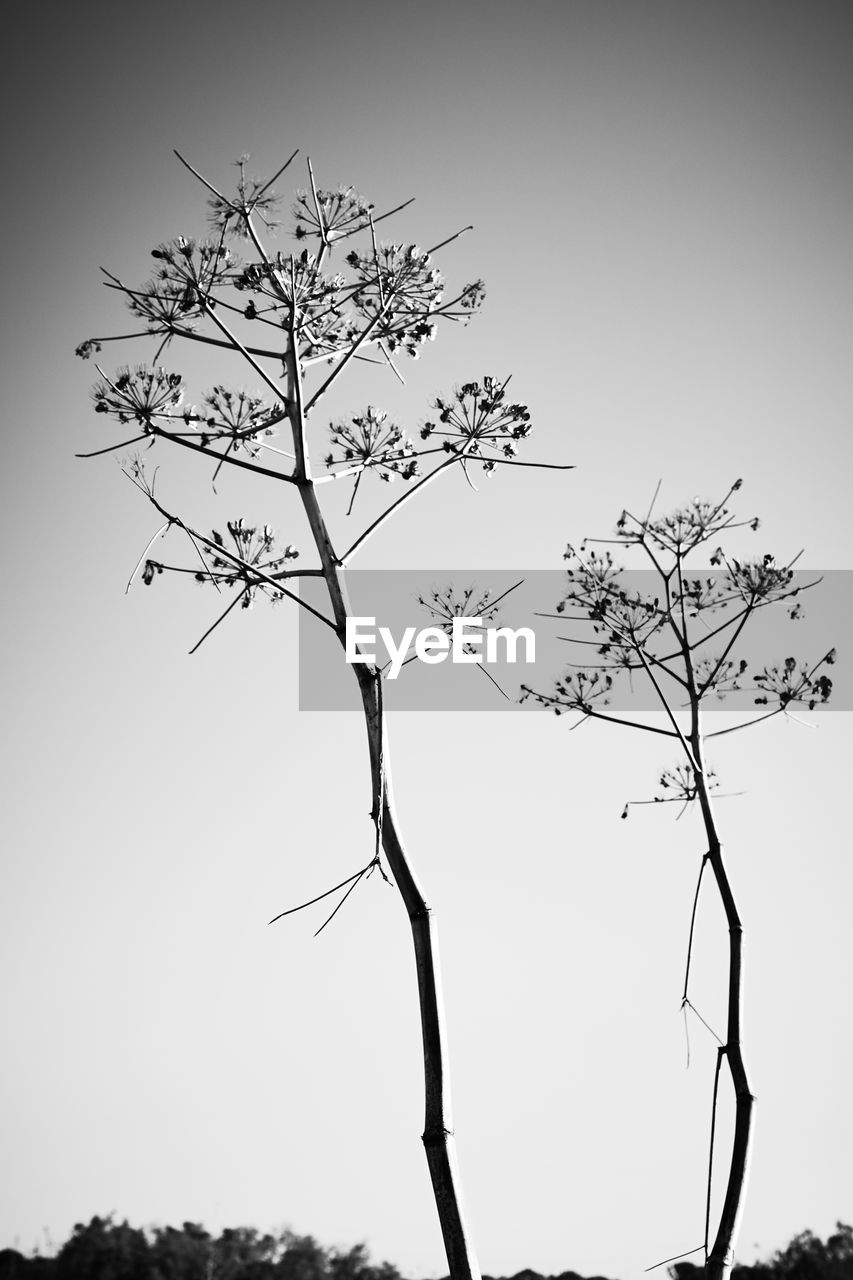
298, 326
682, 638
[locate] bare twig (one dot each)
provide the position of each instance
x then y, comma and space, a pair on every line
320, 896
237, 599
163, 529
702, 866
675, 1258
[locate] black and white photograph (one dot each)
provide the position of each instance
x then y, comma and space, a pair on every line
427, 664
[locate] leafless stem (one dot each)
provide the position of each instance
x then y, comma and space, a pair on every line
745, 724
405, 497
540, 466
665, 703
720, 1055
435, 248
331, 917
675, 1258
238, 346
220, 458
163, 529
348, 355
320, 896
704, 862
111, 448
277, 174
201, 178
221, 618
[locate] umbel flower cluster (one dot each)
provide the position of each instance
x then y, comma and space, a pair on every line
478, 419
139, 395
380, 299
445, 605
369, 442
242, 419
297, 319
336, 214
679, 638
251, 562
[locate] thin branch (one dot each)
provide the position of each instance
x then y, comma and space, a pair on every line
450, 239
320, 896
238, 346
174, 330
641, 655
745, 724
163, 529
330, 918
708, 682
221, 618
410, 493
652, 503
542, 466
324, 239
249, 569
492, 604
208, 571
355, 487
489, 675
223, 459
391, 212
391, 364
705, 858
675, 1257
686, 1004
122, 337
276, 175
282, 453
111, 448
232, 461
201, 179
348, 355
599, 715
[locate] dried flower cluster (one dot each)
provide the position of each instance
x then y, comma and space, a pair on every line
444, 606
334, 216
369, 442
477, 419
139, 395
635, 631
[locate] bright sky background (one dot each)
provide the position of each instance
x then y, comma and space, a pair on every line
662, 195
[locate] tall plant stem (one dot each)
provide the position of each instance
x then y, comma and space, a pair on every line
438, 1121
721, 1257
437, 1136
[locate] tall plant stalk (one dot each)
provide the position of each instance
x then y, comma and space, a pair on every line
390, 302
438, 1138
720, 1258
670, 636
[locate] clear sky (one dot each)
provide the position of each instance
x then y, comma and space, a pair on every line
662, 196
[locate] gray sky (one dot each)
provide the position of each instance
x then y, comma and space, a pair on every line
661, 195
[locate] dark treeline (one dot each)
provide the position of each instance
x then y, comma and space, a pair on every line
107, 1250
806, 1258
